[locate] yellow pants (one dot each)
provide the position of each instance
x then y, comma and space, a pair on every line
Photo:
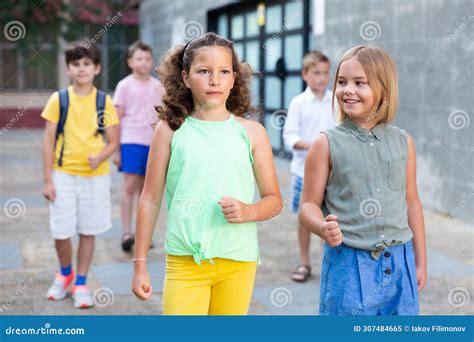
222, 288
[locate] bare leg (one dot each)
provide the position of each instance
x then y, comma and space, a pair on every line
129, 188
64, 251
303, 271
304, 239
84, 254
140, 182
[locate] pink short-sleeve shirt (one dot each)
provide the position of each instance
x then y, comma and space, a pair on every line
138, 99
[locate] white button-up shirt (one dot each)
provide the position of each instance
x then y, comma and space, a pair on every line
307, 116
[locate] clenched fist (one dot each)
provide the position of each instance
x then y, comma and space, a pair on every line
234, 210
330, 231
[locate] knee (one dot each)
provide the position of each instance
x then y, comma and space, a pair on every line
130, 186
87, 237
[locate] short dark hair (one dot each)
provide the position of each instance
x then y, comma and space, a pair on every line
139, 45
82, 49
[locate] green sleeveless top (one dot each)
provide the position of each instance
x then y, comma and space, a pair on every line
209, 160
367, 186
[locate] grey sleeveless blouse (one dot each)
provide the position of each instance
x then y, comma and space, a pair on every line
367, 186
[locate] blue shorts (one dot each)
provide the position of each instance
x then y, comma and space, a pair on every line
354, 283
134, 158
297, 187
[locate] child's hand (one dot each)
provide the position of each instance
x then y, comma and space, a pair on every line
117, 159
330, 231
94, 162
234, 210
421, 277
49, 192
141, 286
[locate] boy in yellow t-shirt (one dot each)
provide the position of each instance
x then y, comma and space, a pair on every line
76, 169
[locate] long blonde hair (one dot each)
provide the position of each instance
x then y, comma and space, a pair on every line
381, 74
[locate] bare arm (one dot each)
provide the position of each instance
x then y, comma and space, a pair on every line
150, 200
120, 111
48, 159
270, 203
113, 139
117, 160
415, 216
149, 205
301, 145
317, 169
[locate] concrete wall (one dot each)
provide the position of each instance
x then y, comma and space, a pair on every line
432, 42
165, 23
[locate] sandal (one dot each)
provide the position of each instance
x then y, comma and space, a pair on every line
302, 273
127, 241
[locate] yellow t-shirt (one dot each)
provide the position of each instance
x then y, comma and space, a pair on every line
80, 132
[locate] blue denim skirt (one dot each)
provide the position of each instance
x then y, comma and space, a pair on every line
354, 283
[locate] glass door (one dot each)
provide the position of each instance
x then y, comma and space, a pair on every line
274, 46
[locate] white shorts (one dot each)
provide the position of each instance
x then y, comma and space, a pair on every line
82, 205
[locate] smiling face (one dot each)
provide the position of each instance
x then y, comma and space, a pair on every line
353, 93
211, 77
82, 71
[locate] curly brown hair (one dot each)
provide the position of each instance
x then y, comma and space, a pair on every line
178, 101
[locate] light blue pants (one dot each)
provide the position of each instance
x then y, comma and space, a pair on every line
297, 188
354, 283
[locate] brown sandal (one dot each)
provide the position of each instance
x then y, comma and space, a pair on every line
302, 273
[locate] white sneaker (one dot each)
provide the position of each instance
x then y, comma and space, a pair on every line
60, 286
82, 297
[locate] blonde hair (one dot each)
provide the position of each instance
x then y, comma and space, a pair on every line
381, 74
311, 58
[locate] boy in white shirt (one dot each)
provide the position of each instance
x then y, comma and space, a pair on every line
309, 113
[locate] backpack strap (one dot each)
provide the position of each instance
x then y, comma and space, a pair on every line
63, 109
101, 115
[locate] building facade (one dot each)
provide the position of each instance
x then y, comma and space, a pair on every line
32, 68
432, 42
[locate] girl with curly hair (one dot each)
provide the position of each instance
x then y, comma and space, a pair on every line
208, 157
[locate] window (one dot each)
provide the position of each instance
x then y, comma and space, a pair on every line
35, 67
275, 49
29, 67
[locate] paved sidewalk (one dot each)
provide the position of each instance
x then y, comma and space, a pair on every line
28, 261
